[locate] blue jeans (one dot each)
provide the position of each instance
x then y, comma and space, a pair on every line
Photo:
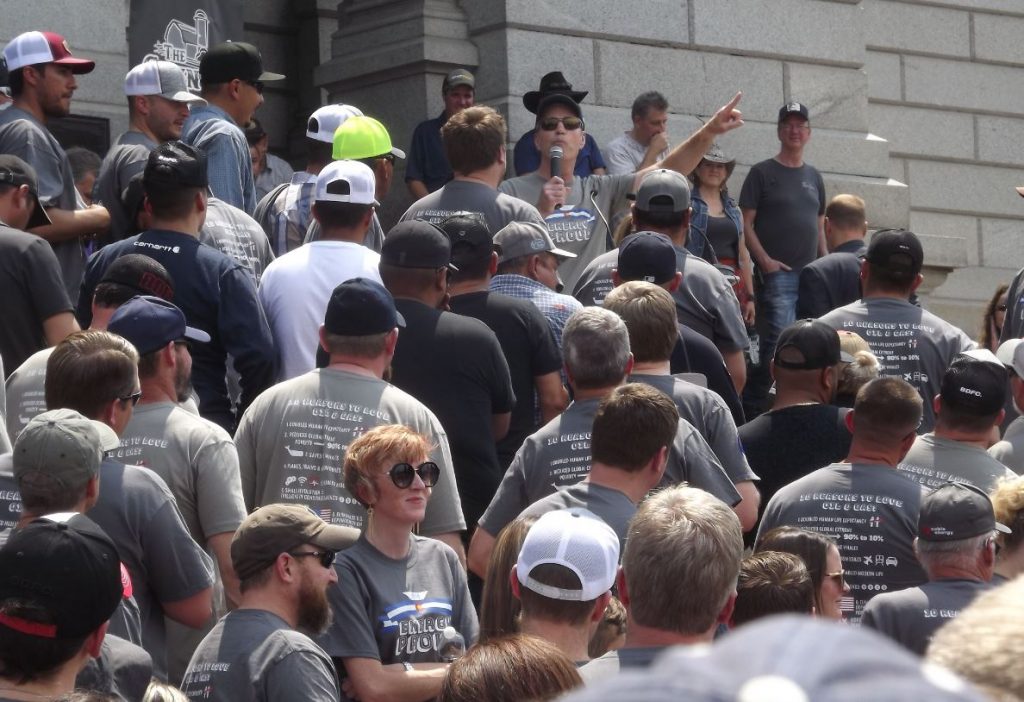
775, 299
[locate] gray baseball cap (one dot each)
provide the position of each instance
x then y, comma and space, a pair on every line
662, 190
64, 446
526, 239
161, 78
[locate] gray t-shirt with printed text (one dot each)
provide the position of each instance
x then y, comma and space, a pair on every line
613, 507
934, 460
498, 209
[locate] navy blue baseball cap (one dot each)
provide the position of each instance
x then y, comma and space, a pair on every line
361, 307
647, 256
150, 323
417, 244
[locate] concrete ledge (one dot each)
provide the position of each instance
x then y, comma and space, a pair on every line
924, 132
836, 97
961, 299
952, 240
965, 188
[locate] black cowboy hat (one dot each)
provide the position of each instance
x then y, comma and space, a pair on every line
551, 84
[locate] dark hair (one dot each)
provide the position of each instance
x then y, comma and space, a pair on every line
473, 138
319, 151
810, 546
82, 161
772, 582
645, 102
339, 215
25, 658
631, 425
986, 340
499, 610
16, 81
514, 265
537, 606
88, 370
656, 220
172, 203
887, 409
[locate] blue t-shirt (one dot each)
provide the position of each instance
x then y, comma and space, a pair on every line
527, 158
427, 160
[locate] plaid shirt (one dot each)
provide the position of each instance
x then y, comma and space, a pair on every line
288, 216
557, 308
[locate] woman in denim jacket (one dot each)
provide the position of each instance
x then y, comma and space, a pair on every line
716, 225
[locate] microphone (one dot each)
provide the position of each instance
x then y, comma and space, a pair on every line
555, 154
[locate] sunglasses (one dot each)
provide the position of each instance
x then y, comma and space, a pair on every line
257, 84
839, 576
550, 124
402, 474
133, 398
326, 557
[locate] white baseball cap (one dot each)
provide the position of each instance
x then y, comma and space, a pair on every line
161, 78
325, 121
576, 539
34, 48
346, 181
1011, 354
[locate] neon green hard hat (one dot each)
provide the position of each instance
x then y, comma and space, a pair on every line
363, 137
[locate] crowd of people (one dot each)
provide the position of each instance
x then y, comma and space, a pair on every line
595, 429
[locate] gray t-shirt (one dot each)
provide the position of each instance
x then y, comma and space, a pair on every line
126, 159
239, 236
934, 460
25, 393
396, 610
292, 440
612, 663
870, 511
122, 669
581, 224
252, 655
22, 135
789, 202
910, 343
710, 416
197, 460
912, 616
705, 302
613, 506
1009, 451
463, 195
558, 455
624, 154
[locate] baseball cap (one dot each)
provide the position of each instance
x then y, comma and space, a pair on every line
662, 190
150, 323
647, 256
324, 122
417, 244
1011, 354
61, 446
175, 165
346, 181
361, 307
976, 382
470, 237
955, 511
897, 251
140, 273
558, 99
234, 59
794, 108
16, 172
460, 76
162, 78
278, 528
33, 48
808, 344
576, 539
361, 137
526, 239
68, 566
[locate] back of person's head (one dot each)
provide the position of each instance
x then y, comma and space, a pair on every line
807, 358
846, 212
973, 393
650, 316
854, 375
499, 609
886, 411
651, 100
681, 560
894, 259
175, 172
610, 634
631, 425
567, 563
1008, 506
772, 582
83, 162
956, 529
985, 642
360, 318
810, 546
90, 369
159, 691
473, 138
510, 669
661, 202
595, 346
131, 275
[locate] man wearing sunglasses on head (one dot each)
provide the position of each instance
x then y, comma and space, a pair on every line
577, 209
284, 555
232, 76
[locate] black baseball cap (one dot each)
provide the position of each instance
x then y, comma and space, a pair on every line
647, 256
150, 323
897, 251
976, 382
14, 171
662, 191
417, 244
361, 307
174, 165
558, 99
234, 59
808, 345
794, 108
67, 566
955, 511
470, 237
144, 275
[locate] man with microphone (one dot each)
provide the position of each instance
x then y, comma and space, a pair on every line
577, 210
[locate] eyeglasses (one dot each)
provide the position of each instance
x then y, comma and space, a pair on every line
550, 124
402, 474
133, 398
326, 557
1001, 308
256, 84
839, 576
